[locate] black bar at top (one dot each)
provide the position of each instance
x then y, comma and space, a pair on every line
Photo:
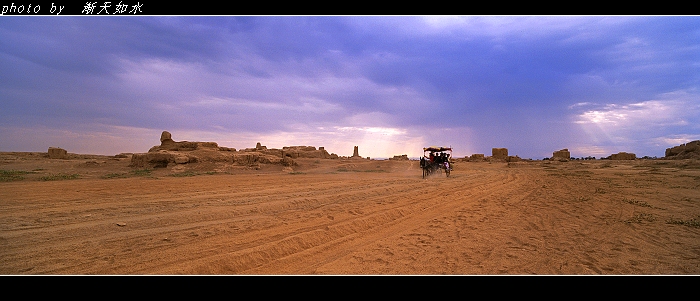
293, 8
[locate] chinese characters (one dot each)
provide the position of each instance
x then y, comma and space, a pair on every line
91, 7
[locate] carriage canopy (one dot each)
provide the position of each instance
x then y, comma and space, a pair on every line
436, 149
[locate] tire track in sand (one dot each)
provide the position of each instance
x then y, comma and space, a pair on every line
302, 252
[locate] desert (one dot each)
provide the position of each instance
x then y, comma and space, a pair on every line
195, 208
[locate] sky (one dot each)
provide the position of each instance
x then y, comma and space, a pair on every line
391, 85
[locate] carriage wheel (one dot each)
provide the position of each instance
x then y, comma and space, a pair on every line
428, 170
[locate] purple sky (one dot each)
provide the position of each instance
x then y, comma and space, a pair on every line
596, 85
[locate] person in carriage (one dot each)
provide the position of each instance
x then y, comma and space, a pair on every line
437, 160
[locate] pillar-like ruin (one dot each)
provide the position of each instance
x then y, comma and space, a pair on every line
57, 153
562, 154
499, 153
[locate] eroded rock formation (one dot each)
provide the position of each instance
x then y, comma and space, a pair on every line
690, 150
57, 153
623, 156
477, 157
307, 152
183, 152
499, 153
168, 144
400, 158
561, 155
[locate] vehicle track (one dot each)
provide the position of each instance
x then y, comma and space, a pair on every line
489, 219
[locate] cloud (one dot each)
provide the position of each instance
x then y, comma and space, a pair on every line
674, 109
641, 125
675, 140
531, 83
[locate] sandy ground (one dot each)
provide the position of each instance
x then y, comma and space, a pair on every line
96, 215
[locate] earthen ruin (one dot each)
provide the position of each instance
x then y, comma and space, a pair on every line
513, 159
623, 156
561, 155
477, 157
168, 144
305, 152
183, 152
400, 158
473, 158
57, 153
690, 150
499, 153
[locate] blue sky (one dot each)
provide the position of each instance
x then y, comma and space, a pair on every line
391, 85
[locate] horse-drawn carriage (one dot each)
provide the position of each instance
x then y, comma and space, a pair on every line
436, 159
